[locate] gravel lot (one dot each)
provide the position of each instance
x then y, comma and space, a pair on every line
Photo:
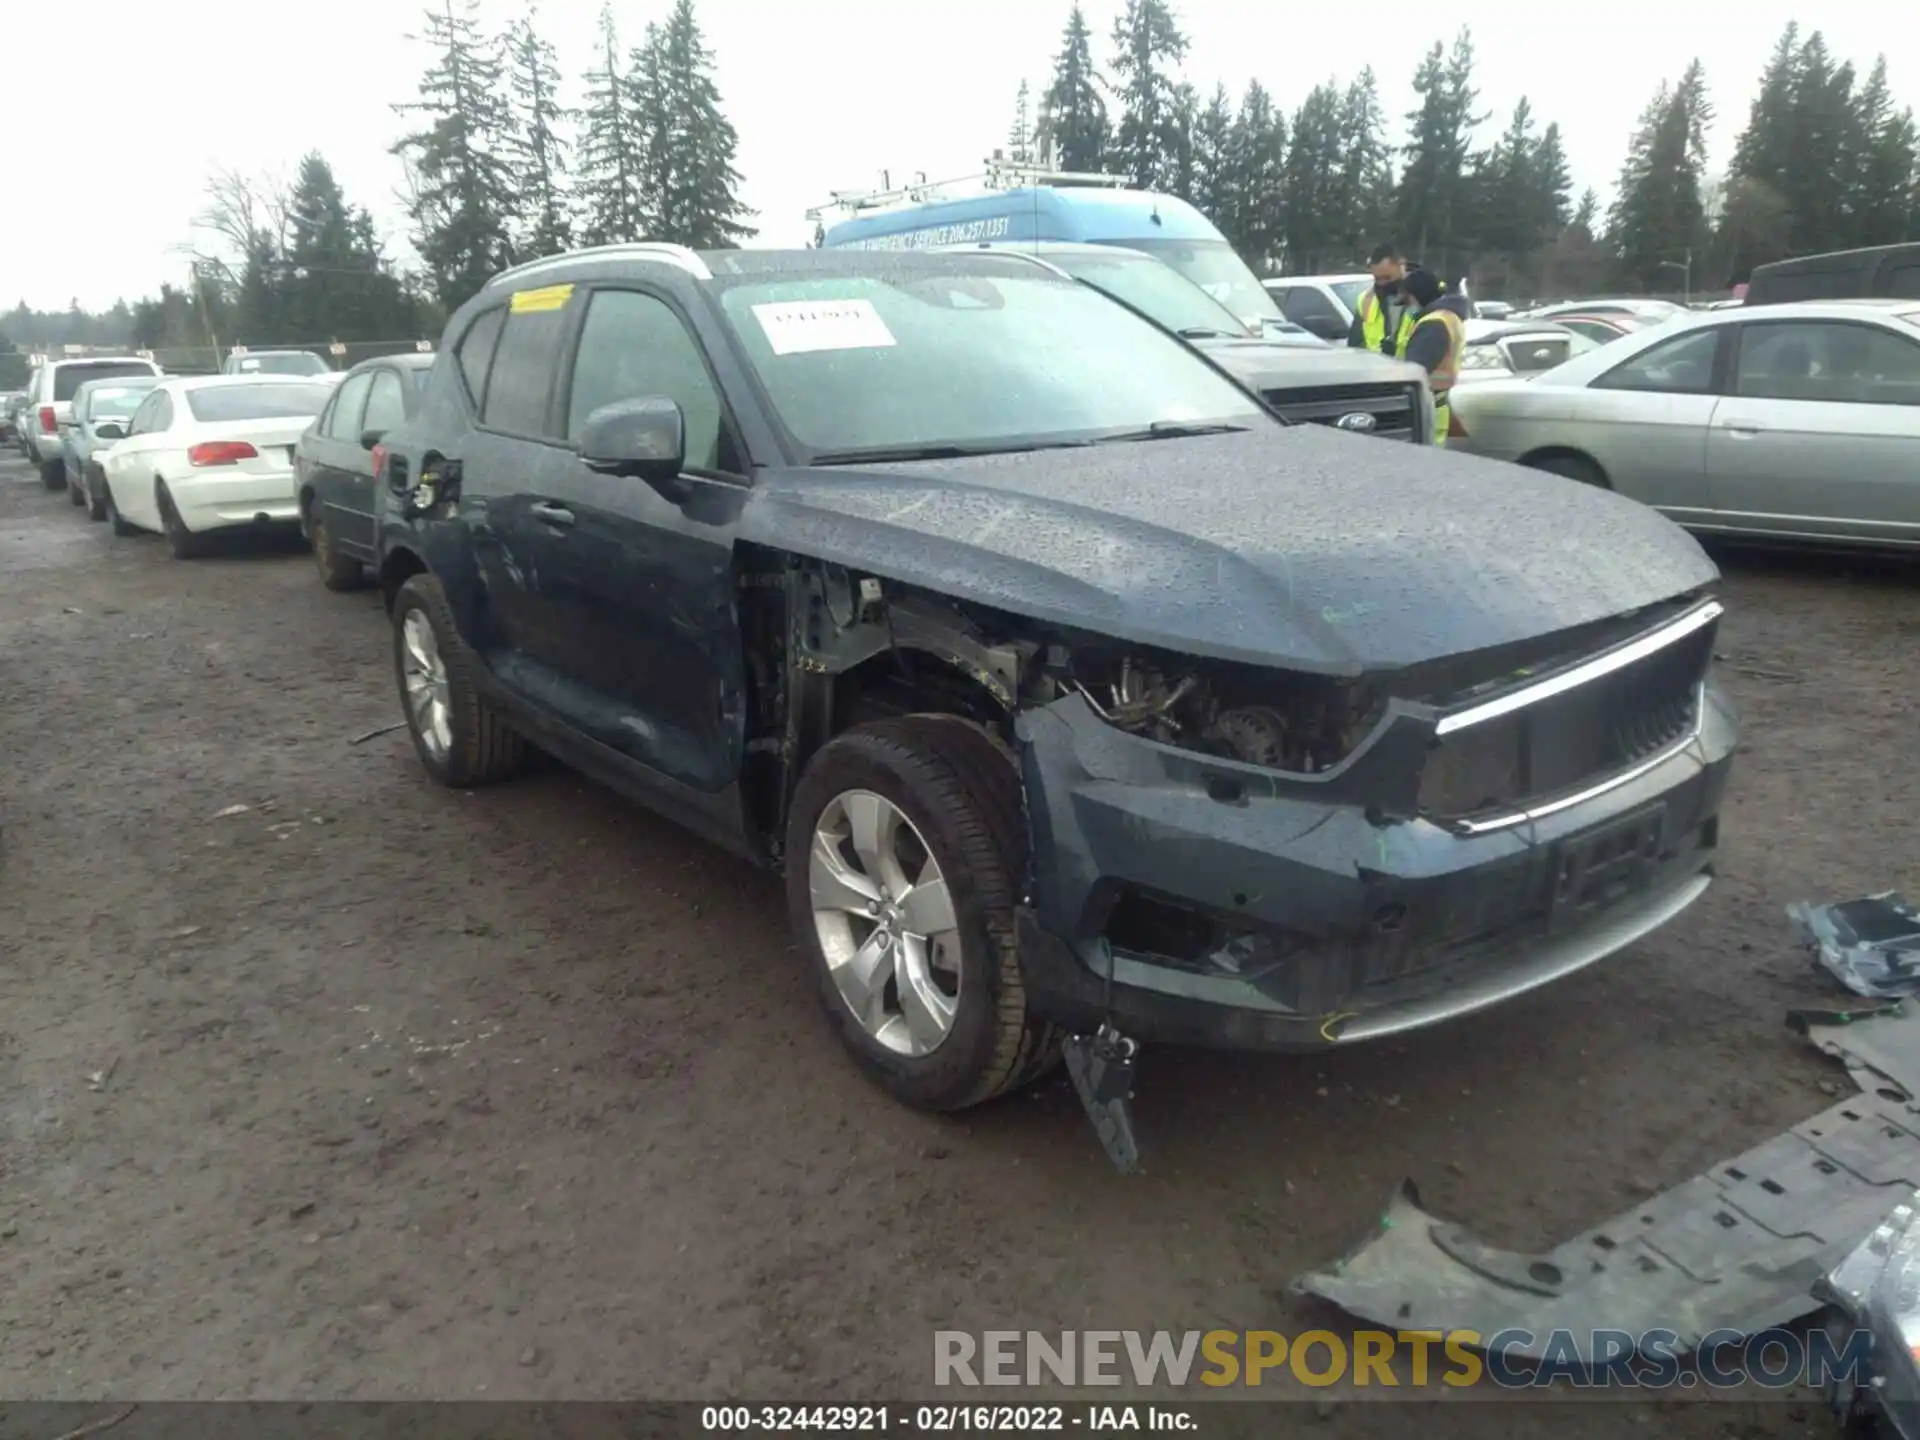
374, 1090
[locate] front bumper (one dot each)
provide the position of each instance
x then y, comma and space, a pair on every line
1338, 929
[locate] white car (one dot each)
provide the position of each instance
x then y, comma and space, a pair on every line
1517, 349
209, 453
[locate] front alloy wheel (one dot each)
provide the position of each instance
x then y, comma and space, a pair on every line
885, 922
424, 673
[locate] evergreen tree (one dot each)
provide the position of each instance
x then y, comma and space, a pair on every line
1433, 200
1658, 220
1148, 46
464, 187
1213, 189
537, 152
1882, 206
1020, 137
1552, 184
1186, 116
611, 151
687, 142
1366, 173
1257, 171
1074, 129
1311, 202
1586, 215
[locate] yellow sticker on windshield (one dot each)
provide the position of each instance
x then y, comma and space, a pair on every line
533, 302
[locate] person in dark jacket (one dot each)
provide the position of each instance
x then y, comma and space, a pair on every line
1434, 341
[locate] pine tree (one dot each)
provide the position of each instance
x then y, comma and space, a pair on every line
1366, 173
1658, 220
463, 184
537, 152
1311, 202
1433, 198
688, 144
1020, 137
1882, 205
611, 158
1586, 215
1148, 46
1186, 116
1257, 171
1213, 190
1074, 129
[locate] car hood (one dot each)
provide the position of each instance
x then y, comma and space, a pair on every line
1274, 365
1293, 546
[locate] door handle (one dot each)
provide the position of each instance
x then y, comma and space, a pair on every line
553, 514
1744, 427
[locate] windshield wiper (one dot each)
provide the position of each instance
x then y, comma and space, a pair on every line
904, 453
1176, 430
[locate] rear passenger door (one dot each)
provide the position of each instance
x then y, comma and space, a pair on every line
335, 442
649, 596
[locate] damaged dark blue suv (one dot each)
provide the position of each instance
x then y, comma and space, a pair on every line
1074, 691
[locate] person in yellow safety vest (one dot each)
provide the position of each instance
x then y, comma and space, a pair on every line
1434, 341
1383, 319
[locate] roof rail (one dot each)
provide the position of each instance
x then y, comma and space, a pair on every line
686, 259
994, 248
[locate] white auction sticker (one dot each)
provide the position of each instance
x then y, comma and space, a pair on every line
794, 327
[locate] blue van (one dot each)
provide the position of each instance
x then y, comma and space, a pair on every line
1163, 226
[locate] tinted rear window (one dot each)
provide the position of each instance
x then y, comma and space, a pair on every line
69, 378
522, 375
216, 403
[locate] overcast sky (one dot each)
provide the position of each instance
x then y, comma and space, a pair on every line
153, 94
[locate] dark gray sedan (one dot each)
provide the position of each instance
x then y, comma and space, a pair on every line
339, 456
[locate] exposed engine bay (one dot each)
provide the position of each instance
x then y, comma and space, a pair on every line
1301, 724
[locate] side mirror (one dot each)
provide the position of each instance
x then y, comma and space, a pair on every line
110, 430
645, 438
371, 438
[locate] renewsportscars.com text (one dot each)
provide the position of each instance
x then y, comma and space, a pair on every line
1412, 1359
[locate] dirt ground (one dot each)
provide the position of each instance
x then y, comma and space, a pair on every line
375, 1090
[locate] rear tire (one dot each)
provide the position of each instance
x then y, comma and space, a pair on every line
479, 746
1573, 467
337, 571
53, 473
960, 795
183, 542
120, 527
96, 486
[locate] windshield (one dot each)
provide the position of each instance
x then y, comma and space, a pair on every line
1162, 294
861, 363
115, 401
1216, 268
1350, 292
216, 403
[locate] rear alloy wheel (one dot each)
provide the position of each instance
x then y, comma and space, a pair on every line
459, 737
96, 487
1573, 467
53, 473
903, 845
183, 542
337, 571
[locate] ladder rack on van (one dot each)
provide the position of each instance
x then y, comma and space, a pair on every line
999, 174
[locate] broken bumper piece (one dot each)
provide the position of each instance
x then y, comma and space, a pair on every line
1730, 1253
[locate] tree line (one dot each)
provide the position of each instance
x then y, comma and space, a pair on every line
1827, 161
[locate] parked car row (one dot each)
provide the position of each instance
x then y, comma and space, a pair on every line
1080, 699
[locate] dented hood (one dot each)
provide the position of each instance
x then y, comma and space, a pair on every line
1293, 546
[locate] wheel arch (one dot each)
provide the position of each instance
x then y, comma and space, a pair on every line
1535, 458
399, 565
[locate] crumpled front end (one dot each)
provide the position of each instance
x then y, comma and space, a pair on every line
1458, 854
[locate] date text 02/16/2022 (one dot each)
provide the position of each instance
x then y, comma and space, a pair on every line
943, 1419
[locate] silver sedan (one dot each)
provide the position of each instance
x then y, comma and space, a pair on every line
1779, 422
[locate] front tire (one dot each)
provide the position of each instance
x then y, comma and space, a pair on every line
337, 571
460, 739
183, 542
903, 851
